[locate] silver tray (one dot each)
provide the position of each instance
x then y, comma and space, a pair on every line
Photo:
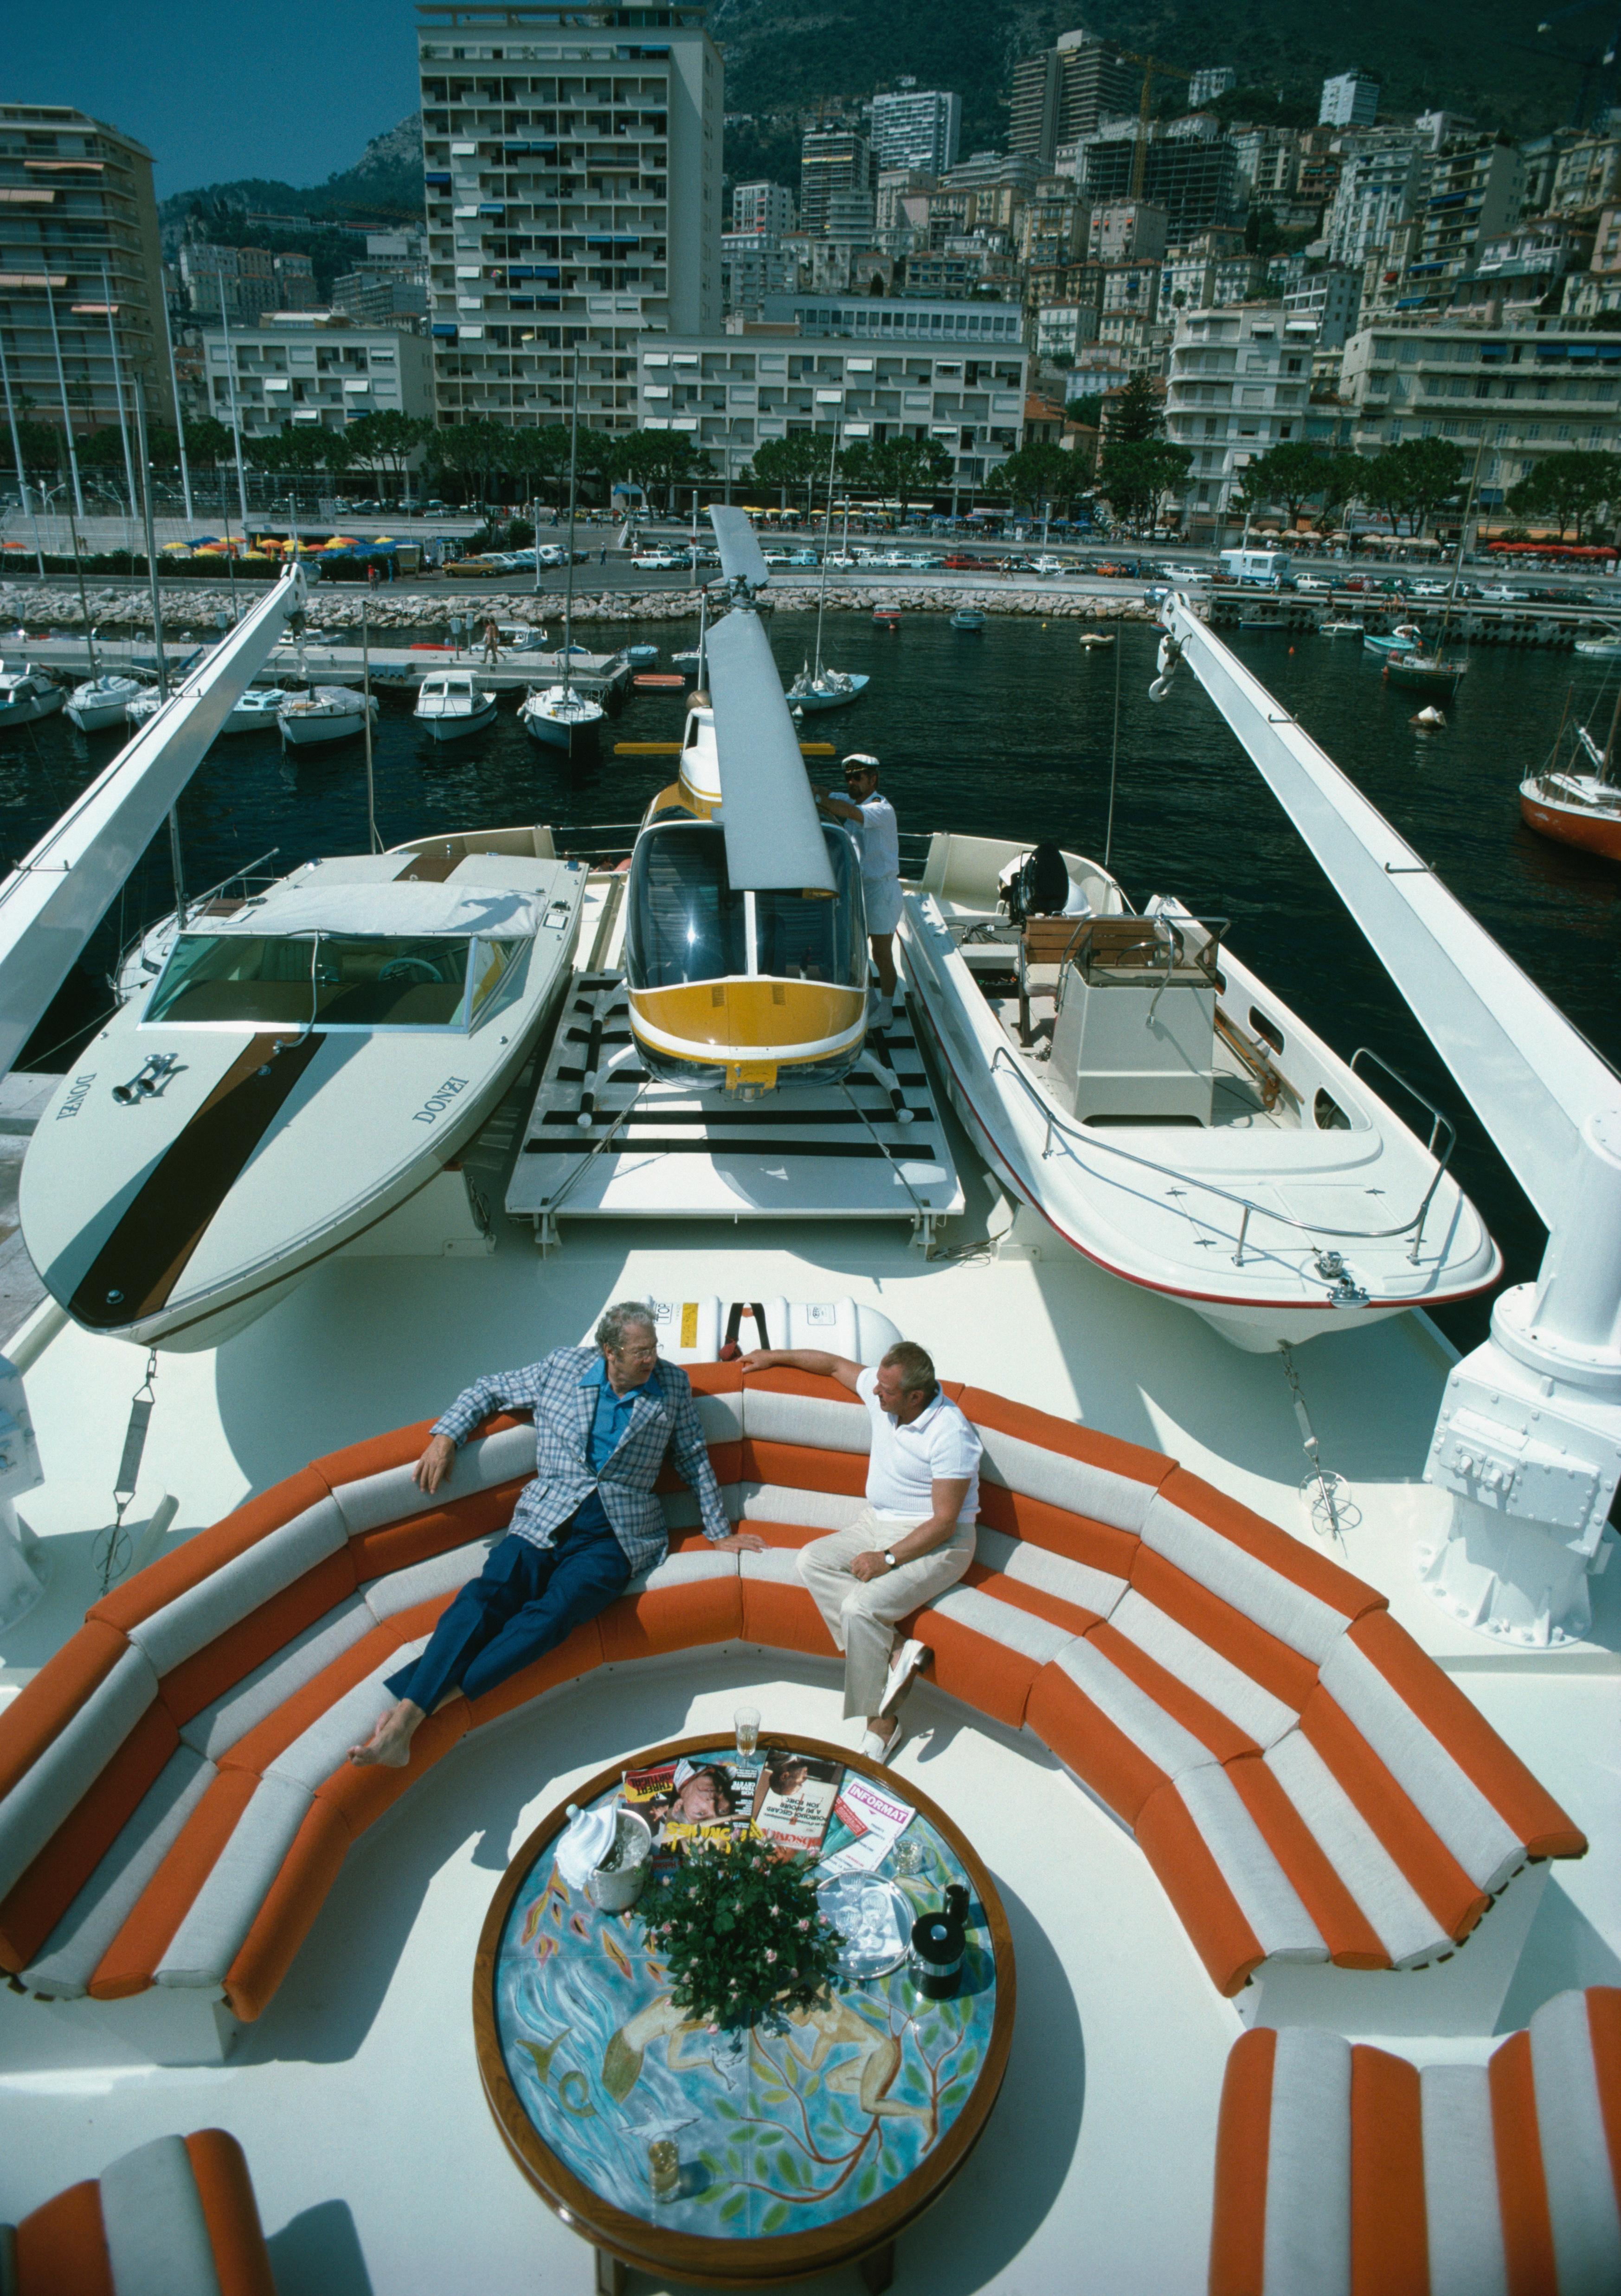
876, 1919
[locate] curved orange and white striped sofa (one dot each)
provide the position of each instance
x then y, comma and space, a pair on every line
175, 1800
177, 2216
1341, 2168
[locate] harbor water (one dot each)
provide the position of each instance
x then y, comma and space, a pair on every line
1013, 731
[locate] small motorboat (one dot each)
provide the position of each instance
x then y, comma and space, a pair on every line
827, 689
562, 719
1093, 640
644, 653
257, 711
453, 702
27, 694
967, 617
689, 660
1406, 638
1600, 648
1341, 631
325, 715
886, 618
1167, 1114
308, 1057
102, 701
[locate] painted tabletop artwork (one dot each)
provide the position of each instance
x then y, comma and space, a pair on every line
779, 2129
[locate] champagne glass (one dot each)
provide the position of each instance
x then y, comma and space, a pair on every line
746, 1722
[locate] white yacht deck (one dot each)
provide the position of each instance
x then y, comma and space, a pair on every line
377, 2165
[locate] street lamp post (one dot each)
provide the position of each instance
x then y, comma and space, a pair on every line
23, 484
173, 384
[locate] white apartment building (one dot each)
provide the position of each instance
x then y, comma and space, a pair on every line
765, 209
572, 158
297, 368
732, 391
1205, 85
1381, 180
1525, 392
1269, 161
754, 264
1240, 382
916, 128
1350, 100
1064, 330
1332, 298
1125, 229
1472, 195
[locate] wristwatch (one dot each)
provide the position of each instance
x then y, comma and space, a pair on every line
889, 1557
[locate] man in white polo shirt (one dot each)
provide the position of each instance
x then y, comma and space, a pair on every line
915, 1535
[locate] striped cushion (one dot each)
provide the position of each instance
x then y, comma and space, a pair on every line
176, 2218
1346, 2168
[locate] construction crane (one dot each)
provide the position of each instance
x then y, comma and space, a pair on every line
1151, 69
1591, 63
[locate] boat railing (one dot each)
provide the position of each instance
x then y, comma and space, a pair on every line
1059, 1130
582, 841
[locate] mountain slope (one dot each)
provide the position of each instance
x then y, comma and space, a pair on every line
384, 185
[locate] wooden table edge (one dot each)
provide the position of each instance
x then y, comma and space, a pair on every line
700, 2257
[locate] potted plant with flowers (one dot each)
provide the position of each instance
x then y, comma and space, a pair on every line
741, 1934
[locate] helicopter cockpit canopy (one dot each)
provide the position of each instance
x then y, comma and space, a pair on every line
742, 990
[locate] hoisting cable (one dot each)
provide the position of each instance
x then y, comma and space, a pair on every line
1327, 1495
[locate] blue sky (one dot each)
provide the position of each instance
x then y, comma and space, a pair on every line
292, 90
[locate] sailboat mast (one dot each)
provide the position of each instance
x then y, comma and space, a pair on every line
1463, 535
568, 586
821, 602
157, 630
1609, 740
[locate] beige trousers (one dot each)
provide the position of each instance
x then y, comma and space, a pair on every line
861, 1615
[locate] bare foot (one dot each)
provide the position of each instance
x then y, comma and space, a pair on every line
391, 1742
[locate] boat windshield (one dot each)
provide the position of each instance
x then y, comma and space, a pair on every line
334, 980
687, 923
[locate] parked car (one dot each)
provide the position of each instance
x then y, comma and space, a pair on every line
1431, 589
1312, 582
1048, 565
657, 561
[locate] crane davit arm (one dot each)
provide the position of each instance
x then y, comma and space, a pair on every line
1528, 1439
53, 900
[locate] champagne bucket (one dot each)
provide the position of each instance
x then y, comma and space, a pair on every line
611, 1888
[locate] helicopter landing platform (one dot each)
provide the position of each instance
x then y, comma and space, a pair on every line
606, 1141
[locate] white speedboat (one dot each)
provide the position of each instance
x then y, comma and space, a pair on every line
562, 719
257, 711
1607, 649
27, 694
1341, 631
102, 701
827, 689
1167, 1115
308, 1058
453, 702
324, 715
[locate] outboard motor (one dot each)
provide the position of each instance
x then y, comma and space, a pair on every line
1040, 887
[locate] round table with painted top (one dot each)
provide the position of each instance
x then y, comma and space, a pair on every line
805, 2143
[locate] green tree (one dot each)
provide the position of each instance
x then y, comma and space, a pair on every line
387, 441
1413, 480
1138, 413
1294, 472
209, 441
799, 459
661, 458
476, 453
299, 451
1134, 473
41, 443
905, 467
1574, 489
1043, 471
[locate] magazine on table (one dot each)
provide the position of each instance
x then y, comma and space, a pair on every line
689, 1805
793, 1801
866, 1824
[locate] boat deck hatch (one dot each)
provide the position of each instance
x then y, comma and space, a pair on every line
606, 1141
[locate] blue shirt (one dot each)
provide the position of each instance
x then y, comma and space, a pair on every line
607, 1432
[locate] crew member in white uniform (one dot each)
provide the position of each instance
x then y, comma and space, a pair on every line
880, 834
912, 1539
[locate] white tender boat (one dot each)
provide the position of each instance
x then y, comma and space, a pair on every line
1167, 1115
451, 703
827, 689
562, 719
324, 715
257, 711
307, 1059
102, 701
27, 694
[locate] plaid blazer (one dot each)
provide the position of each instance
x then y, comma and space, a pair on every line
564, 1410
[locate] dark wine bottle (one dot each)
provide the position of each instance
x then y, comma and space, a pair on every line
937, 1943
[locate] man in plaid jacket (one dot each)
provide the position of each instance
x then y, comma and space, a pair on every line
582, 1529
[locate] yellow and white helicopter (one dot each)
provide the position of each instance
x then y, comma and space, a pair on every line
746, 934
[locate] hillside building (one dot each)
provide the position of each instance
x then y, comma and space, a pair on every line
917, 128
834, 163
302, 370
1240, 382
1350, 100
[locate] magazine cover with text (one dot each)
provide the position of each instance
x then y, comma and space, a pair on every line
793, 1801
688, 1805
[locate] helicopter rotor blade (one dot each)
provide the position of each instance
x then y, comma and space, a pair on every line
739, 546
774, 837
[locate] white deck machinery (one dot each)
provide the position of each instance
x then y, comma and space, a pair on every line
1528, 1439
52, 903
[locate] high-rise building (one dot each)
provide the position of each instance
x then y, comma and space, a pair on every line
766, 208
916, 128
240, 280
832, 160
317, 370
1195, 181
1471, 195
1205, 85
1127, 231
1066, 92
1351, 100
572, 159
1332, 298
79, 233
1225, 422
1379, 183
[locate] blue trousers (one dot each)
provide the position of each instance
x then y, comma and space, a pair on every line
525, 1601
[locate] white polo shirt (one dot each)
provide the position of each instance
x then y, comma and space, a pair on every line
940, 1445
880, 838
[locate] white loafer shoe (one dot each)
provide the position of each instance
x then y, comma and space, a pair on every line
910, 1658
